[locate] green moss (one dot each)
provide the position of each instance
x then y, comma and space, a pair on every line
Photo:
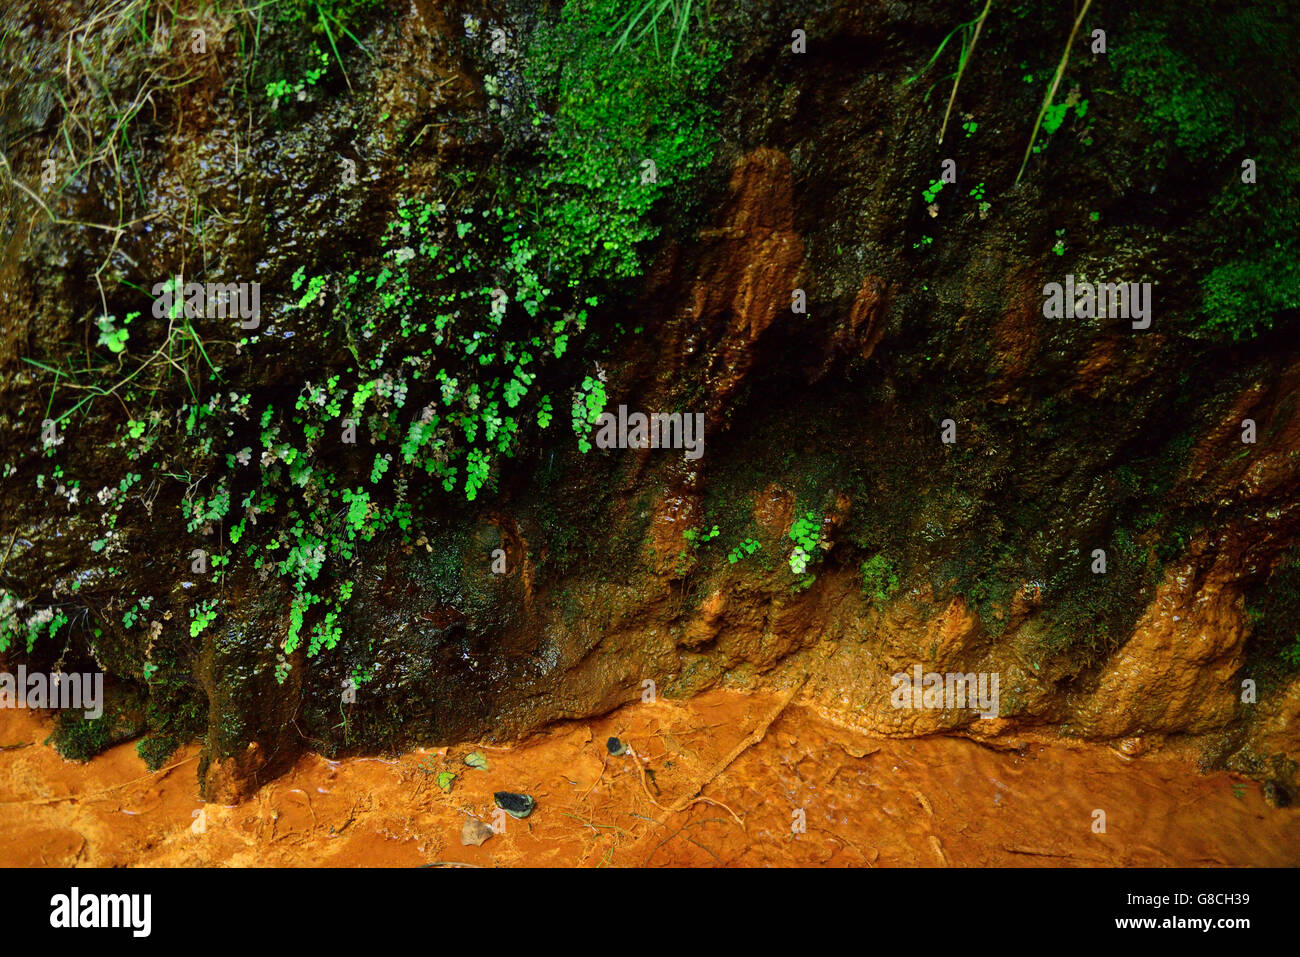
79, 738
1182, 99
155, 750
1197, 71
624, 98
175, 713
570, 608
1273, 609
1243, 296
879, 578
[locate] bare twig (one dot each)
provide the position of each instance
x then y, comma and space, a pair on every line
755, 736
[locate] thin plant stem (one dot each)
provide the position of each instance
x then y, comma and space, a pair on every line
966, 53
1051, 90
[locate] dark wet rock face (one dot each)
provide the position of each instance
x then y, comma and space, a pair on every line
567, 588
251, 736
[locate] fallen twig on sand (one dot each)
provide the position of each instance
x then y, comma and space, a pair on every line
1030, 852
707, 820
755, 736
938, 849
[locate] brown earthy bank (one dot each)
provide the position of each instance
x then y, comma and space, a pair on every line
867, 801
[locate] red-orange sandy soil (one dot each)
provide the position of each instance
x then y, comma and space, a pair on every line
716, 780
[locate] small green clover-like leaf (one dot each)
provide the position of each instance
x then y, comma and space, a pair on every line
110, 335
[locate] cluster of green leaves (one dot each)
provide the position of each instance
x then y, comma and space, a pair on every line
282, 89
1218, 84
448, 335
331, 20
466, 328
694, 538
14, 626
112, 336
1054, 116
136, 611
469, 316
202, 615
1058, 247
587, 405
805, 533
743, 550
475, 322
115, 499
1291, 653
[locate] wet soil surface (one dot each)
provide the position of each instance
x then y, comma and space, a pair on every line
754, 760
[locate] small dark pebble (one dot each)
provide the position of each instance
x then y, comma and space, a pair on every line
616, 747
516, 805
